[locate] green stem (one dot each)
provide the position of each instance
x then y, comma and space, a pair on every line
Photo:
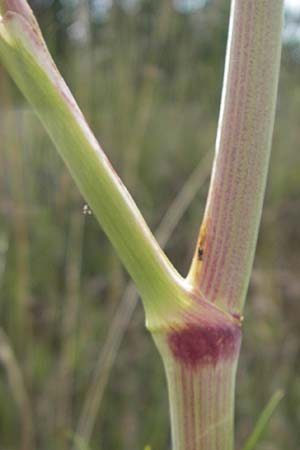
24, 54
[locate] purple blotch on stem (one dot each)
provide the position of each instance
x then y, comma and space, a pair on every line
202, 345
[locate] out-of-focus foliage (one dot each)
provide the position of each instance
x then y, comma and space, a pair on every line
148, 77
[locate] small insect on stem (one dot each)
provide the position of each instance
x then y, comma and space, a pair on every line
201, 241
200, 253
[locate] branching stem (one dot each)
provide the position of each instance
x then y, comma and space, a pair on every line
195, 322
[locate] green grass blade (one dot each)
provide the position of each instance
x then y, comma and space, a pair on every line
263, 420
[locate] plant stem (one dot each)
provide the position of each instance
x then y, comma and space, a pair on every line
200, 364
129, 301
203, 402
25, 56
195, 322
201, 356
224, 254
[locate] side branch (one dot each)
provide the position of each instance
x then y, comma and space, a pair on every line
25, 56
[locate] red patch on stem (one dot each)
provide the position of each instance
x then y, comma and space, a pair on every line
203, 345
20, 7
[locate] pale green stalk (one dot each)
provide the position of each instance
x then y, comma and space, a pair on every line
25, 56
195, 322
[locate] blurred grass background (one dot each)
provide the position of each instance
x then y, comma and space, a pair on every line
148, 77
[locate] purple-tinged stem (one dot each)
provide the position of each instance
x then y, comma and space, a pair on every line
195, 322
200, 359
225, 249
200, 355
203, 399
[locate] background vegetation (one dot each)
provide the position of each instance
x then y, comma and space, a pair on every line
148, 77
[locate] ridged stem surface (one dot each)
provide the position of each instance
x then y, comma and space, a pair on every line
200, 357
200, 364
226, 245
203, 412
195, 322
